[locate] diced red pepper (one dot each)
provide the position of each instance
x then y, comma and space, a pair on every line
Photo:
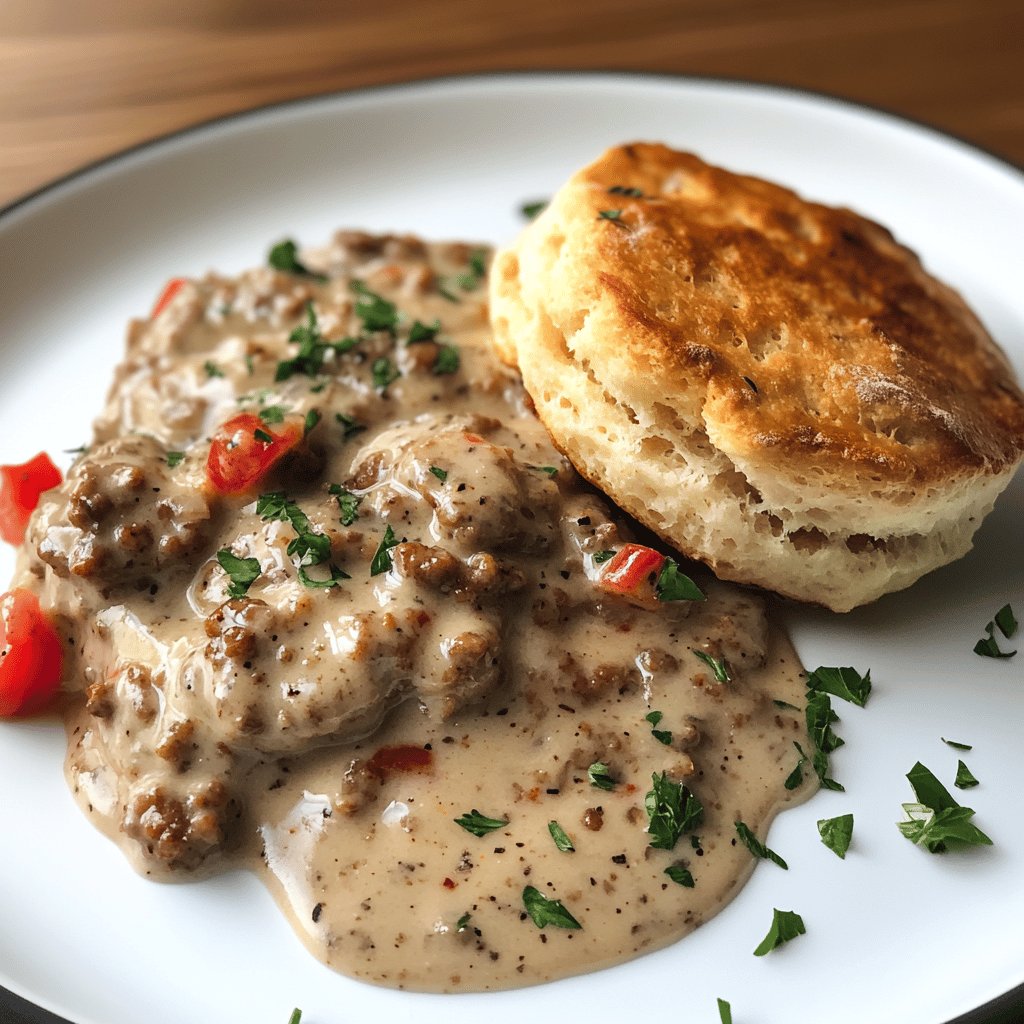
630, 571
170, 290
245, 449
20, 488
30, 655
473, 438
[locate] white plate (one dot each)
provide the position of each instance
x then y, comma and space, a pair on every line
893, 934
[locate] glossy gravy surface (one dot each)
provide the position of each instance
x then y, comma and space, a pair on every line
329, 736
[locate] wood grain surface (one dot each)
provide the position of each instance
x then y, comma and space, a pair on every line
85, 78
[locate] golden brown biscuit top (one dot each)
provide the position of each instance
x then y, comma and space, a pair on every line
813, 334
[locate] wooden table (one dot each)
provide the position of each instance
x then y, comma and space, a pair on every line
84, 79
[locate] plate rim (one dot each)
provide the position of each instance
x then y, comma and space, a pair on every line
558, 74
994, 1011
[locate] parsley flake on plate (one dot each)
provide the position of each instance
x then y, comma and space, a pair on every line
836, 833
964, 779
463, 922
441, 474
599, 777
937, 819
820, 718
348, 503
1006, 622
544, 911
243, 572
376, 313
349, 426
479, 824
262, 435
659, 734
448, 360
472, 279
175, 458
786, 925
420, 332
312, 419
846, 683
756, 847
615, 216
604, 556
562, 841
384, 373
625, 190
671, 810
796, 776
309, 360
212, 369
531, 209
308, 546
296, 1017
724, 1012
955, 745
272, 414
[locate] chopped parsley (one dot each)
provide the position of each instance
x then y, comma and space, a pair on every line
531, 209
448, 360
296, 1017
348, 503
382, 556
785, 705
836, 833
955, 745
660, 735
420, 332
349, 425
212, 369
262, 435
673, 585
625, 190
604, 556
463, 922
786, 925
551, 471
820, 717
376, 313
308, 546
796, 776
479, 824
472, 279
613, 215
964, 779
441, 474
312, 419
175, 459
544, 911
272, 414
599, 777
312, 348
846, 683
242, 571
671, 810
562, 841
937, 819
756, 847
718, 665
284, 256
680, 875
384, 373
987, 646
337, 575
724, 1012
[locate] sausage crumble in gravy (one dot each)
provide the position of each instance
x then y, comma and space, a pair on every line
426, 639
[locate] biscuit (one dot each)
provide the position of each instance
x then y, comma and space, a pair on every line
775, 387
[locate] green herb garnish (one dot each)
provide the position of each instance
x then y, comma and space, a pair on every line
786, 925
544, 911
724, 1012
312, 348
964, 779
337, 575
987, 646
382, 556
551, 471
310, 547
659, 734
376, 313
420, 332
625, 190
846, 683
562, 841
785, 705
384, 373
262, 435
284, 256
955, 745
296, 1017
349, 426
448, 360
599, 777
680, 875
463, 922
613, 215
671, 810
312, 419
272, 414
441, 474
673, 585
479, 824
836, 833
242, 571
471, 280
756, 847
603, 556
820, 717
530, 210
937, 819
718, 665
348, 503
796, 776
175, 458
212, 369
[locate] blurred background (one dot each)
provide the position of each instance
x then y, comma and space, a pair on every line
85, 78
